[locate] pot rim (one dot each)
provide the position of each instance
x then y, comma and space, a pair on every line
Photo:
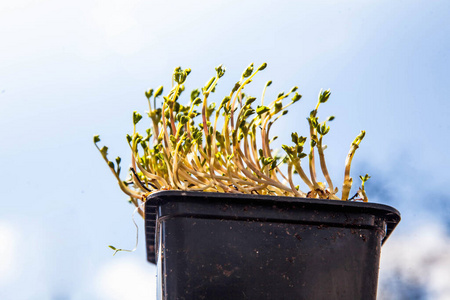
390, 214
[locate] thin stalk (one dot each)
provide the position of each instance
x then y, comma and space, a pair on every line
323, 165
291, 183
347, 185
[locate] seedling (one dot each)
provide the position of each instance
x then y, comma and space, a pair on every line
185, 148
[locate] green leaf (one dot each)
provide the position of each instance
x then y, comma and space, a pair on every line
149, 93
301, 140
359, 138
219, 137
194, 94
210, 109
179, 75
159, 91
294, 137
248, 113
208, 84
173, 139
262, 67
225, 101
220, 71
104, 151
197, 101
248, 71
324, 96
184, 120
96, 139
278, 106
236, 87
296, 97
365, 178
262, 109
112, 247
136, 117
287, 149
250, 100
313, 122
274, 165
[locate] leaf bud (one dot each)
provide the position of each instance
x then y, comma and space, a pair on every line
296, 97
236, 87
262, 109
220, 71
194, 94
149, 93
324, 96
96, 139
208, 85
250, 100
225, 101
197, 101
248, 71
278, 106
294, 137
159, 91
262, 67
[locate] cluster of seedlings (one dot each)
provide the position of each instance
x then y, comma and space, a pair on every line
209, 147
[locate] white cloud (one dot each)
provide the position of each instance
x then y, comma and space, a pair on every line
8, 258
420, 258
126, 278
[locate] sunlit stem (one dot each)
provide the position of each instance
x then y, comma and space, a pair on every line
291, 183
267, 179
264, 92
175, 162
323, 165
348, 161
172, 121
312, 163
303, 176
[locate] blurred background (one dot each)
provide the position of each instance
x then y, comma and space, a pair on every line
72, 69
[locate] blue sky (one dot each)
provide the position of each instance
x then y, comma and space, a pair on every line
72, 69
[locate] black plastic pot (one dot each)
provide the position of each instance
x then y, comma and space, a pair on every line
233, 246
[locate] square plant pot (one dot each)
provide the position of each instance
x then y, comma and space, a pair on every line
235, 246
